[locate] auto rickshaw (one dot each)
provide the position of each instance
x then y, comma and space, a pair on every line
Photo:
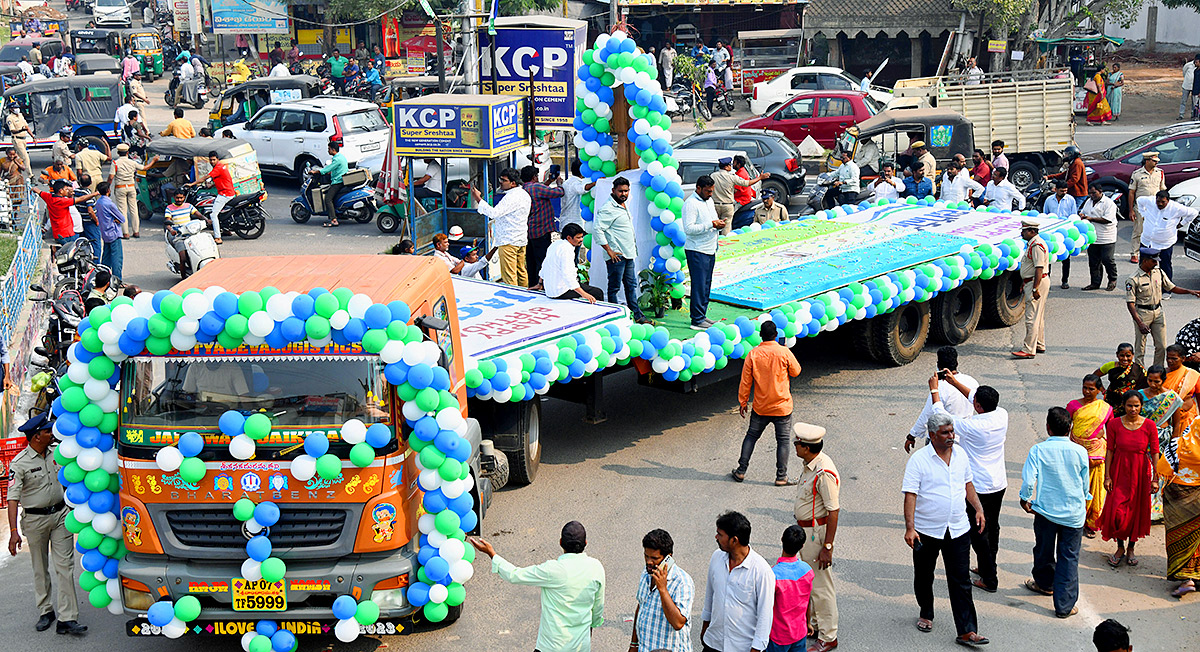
10, 75
182, 160
257, 93
146, 45
96, 41
90, 64
85, 104
887, 136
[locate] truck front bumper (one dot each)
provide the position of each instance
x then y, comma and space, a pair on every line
311, 587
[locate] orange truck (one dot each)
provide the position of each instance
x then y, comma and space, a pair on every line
355, 535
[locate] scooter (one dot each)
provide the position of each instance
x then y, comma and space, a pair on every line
356, 203
680, 100
821, 197
194, 89
65, 314
200, 246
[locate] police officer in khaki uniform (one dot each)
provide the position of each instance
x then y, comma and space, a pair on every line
33, 484
724, 181
816, 511
1143, 297
20, 134
1035, 281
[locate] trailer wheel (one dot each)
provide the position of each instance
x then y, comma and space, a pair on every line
901, 334
524, 462
862, 335
1003, 302
515, 431
502, 473
956, 313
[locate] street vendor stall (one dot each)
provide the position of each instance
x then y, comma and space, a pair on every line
440, 126
763, 55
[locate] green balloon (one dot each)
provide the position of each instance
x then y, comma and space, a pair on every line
73, 473
407, 392
237, 326
473, 378
469, 554
107, 547
89, 538
99, 597
436, 612
96, 480
343, 296
73, 524
192, 470
367, 613
91, 341
122, 301
91, 415
432, 458
158, 345
99, 316
243, 509
685, 375
73, 399
108, 423
452, 468
427, 399
160, 326
589, 116
361, 455
329, 466
608, 79
268, 292
374, 340
414, 334
488, 368
171, 307
187, 608
273, 569
88, 581
456, 594
397, 331
257, 426
326, 304
416, 443
60, 458
250, 303
260, 643
597, 70
589, 58
422, 576
447, 522
227, 341
317, 327
448, 400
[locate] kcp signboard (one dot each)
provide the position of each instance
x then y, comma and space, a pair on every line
547, 56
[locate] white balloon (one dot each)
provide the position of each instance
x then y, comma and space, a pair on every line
279, 307
195, 305
450, 489
436, 539
413, 354
358, 304
438, 593
461, 571
642, 126
592, 148
432, 353
411, 412
449, 418
78, 372
579, 141
176, 627
607, 153
110, 461
90, 459
110, 402
591, 100
69, 447
113, 586
253, 526
260, 323
430, 479
83, 513
252, 570
673, 264
354, 431
677, 363
601, 40
187, 326
109, 333
115, 608
100, 575
168, 459
425, 524
304, 467
246, 638
346, 630
211, 292
503, 396
659, 365
104, 523
241, 447
591, 366
452, 550
123, 314
114, 352
181, 341
143, 303
393, 351
96, 389
253, 340
339, 319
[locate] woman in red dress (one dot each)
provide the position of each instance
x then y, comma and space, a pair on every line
1129, 478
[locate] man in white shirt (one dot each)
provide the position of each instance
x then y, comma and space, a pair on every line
952, 401
560, 274
186, 71
938, 484
430, 184
280, 70
1060, 204
886, 185
573, 189
1000, 192
1101, 211
957, 187
982, 436
1161, 220
122, 115
739, 598
974, 73
509, 225
865, 84
847, 183
701, 228
666, 59
999, 160
1187, 102
26, 67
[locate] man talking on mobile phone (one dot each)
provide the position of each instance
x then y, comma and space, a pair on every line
664, 595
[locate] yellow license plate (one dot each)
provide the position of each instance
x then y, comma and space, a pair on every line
260, 595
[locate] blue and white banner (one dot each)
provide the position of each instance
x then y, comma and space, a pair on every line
242, 16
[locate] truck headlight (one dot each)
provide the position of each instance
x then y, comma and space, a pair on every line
392, 599
1186, 200
136, 595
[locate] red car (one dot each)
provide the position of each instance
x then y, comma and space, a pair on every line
824, 115
1178, 148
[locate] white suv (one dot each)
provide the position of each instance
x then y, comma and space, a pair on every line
288, 135
112, 12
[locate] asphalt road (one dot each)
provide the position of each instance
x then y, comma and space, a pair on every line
662, 460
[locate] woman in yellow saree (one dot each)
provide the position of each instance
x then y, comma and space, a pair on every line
1098, 110
1088, 416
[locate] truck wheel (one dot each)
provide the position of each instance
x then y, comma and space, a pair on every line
900, 335
862, 336
1003, 301
956, 313
1024, 175
524, 461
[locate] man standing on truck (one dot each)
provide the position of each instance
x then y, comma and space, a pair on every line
701, 228
1001, 193
765, 392
1144, 182
1035, 281
510, 219
572, 590
725, 182
541, 216
33, 484
614, 234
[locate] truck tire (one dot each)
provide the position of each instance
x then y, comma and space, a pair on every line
515, 430
862, 336
503, 472
1003, 302
524, 461
901, 334
955, 313
1024, 175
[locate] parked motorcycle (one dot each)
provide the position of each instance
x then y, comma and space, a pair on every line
359, 88
193, 91
355, 202
65, 314
681, 100
73, 262
825, 197
200, 246
699, 97
170, 50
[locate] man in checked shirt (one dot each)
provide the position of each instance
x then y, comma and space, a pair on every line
541, 218
665, 594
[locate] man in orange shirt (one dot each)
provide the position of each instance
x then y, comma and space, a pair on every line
766, 373
58, 170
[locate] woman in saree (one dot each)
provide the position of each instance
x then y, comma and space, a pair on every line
1184, 381
1161, 406
1123, 375
1180, 467
1098, 110
1116, 83
1088, 416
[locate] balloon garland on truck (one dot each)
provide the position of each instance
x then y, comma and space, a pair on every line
163, 322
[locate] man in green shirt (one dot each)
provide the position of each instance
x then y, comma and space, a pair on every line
614, 233
336, 168
572, 591
337, 70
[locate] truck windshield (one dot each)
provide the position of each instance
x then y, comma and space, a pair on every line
194, 393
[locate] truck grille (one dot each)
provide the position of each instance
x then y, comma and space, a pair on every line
297, 528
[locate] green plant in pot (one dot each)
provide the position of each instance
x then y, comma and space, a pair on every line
655, 292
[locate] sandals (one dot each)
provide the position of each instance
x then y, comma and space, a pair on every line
1184, 589
1115, 559
1130, 560
924, 625
786, 482
329, 224
971, 639
1033, 586
1089, 534
737, 477
980, 585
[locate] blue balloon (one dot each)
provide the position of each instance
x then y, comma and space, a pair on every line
344, 607
576, 368
83, 354
659, 339
292, 328
378, 435
627, 45
420, 375
484, 388
101, 501
607, 97
231, 422
378, 316
105, 443
579, 124
441, 379
190, 444
303, 306
583, 73
425, 554
437, 569
110, 568
643, 97
592, 84
537, 380
77, 493
670, 375
225, 305
283, 641
258, 548
434, 501
426, 428
160, 613
316, 444
93, 560
468, 521
211, 323
463, 504
138, 329
275, 338
661, 146
86, 437
400, 311
501, 381
266, 627
583, 352
62, 476
739, 350
155, 301
418, 594
266, 513
543, 365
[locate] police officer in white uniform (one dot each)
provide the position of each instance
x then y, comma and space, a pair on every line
33, 484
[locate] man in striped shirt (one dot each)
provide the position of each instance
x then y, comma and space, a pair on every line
665, 594
793, 585
176, 215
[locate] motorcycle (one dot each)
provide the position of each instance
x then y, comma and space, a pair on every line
724, 100
243, 215
170, 51
200, 246
358, 88
73, 262
822, 198
75, 5
699, 97
193, 91
65, 314
680, 101
355, 202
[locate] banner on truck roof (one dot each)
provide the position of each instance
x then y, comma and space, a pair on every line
547, 56
241, 16
981, 226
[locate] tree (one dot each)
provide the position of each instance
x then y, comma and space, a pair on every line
352, 10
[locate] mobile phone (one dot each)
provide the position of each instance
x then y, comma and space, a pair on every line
555, 168
917, 546
941, 374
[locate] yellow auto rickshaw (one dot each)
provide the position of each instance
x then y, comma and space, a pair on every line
146, 45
